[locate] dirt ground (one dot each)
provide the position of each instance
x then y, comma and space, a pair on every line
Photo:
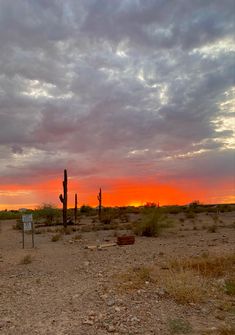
68, 289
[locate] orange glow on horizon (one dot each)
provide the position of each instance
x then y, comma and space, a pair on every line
121, 192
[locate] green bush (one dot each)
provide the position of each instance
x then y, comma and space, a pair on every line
48, 213
87, 210
152, 223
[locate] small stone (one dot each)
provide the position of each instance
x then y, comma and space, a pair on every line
111, 329
88, 322
110, 302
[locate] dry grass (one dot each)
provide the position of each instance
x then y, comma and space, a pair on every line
185, 286
134, 278
211, 266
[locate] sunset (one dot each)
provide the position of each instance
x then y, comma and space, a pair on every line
135, 98
117, 160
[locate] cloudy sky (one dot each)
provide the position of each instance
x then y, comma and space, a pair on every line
135, 96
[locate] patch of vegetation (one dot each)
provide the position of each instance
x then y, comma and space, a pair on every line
10, 215
212, 229
47, 212
134, 279
87, 210
185, 286
107, 215
153, 222
27, 259
211, 266
55, 237
179, 326
230, 286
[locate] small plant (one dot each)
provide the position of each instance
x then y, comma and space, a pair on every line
230, 287
55, 237
134, 279
107, 215
179, 326
18, 225
212, 229
27, 259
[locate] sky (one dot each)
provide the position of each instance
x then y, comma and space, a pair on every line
136, 97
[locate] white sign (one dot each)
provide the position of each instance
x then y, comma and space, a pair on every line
27, 226
27, 218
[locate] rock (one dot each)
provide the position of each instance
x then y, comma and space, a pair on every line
88, 322
110, 302
111, 329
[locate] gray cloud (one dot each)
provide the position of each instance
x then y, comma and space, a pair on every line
115, 88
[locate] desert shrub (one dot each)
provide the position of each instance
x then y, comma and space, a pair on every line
230, 286
107, 215
48, 213
152, 223
18, 225
174, 209
179, 326
87, 210
27, 259
10, 215
55, 237
212, 229
225, 208
150, 205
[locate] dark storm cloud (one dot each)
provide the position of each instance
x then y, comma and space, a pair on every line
115, 87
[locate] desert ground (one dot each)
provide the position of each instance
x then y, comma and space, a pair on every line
180, 282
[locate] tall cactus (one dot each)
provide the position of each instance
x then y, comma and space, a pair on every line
99, 197
64, 198
75, 208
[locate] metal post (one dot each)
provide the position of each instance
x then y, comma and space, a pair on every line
32, 234
23, 234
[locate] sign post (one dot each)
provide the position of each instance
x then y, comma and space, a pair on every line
28, 225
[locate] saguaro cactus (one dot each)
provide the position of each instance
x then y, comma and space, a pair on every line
99, 197
75, 208
64, 198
